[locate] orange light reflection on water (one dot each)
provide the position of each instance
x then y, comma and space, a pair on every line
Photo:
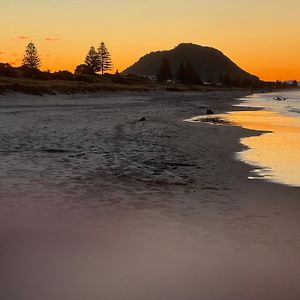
277, 152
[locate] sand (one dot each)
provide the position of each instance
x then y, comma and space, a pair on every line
96, 204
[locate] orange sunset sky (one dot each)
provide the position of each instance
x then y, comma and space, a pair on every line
261, 36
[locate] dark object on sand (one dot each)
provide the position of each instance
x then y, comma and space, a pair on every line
216, 120
209, 112
143, 119
53, 150
280, 98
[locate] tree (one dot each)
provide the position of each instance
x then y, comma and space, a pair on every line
83, 70
63, 75
7, 70
92, 60
278, 84
31, 58
227, 80
295, 83
221, 78
181, 73
191, 75
187, 74
105, 58
165, 72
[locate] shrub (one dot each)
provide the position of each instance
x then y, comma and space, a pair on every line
35, 73
7, 70
63, 75
85, 78
83, 70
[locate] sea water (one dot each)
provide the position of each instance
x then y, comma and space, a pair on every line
275, 153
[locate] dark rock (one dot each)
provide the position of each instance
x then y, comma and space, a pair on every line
143, 119
209, 112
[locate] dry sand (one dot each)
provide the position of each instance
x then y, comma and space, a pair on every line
97, 205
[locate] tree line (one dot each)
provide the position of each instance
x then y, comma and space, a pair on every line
187, 74
98, 60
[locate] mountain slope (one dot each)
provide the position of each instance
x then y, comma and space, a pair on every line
210, 63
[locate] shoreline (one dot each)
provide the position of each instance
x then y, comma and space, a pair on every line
274, 153
160, 198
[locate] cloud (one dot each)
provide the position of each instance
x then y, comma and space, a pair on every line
49, 39
2, 53
21, 38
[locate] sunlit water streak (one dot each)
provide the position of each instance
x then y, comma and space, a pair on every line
275, 154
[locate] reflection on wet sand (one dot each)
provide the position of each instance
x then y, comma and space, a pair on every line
276, 152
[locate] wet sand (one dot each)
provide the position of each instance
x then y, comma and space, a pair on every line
97, 205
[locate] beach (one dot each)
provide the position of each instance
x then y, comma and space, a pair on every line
118, 196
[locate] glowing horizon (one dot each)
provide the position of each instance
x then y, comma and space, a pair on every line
262, 38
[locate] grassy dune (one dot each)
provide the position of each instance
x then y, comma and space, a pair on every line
52, 87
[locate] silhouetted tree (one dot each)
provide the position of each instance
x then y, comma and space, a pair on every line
191, 75
246, 83
221, 78
83, 69
31, 58
187, 74
295, 83
278, 84
7, 70
63, 75
181, 73
236, 82
164, 72
92, 60
227, 80
105, 58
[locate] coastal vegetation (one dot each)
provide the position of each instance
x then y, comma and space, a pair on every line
95, 74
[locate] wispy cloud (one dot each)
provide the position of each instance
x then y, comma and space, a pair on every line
21, 38
49, 39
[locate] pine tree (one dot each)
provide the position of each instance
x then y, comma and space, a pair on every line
105, 58
191, 75
165, 72
181, 73
227, 80
295, 83
221, 78
92, 60
31, 58
187, 74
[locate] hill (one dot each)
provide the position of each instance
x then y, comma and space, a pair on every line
210, 63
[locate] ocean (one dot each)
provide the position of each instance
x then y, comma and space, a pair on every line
276, 153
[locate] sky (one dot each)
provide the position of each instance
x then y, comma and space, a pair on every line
261, 36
